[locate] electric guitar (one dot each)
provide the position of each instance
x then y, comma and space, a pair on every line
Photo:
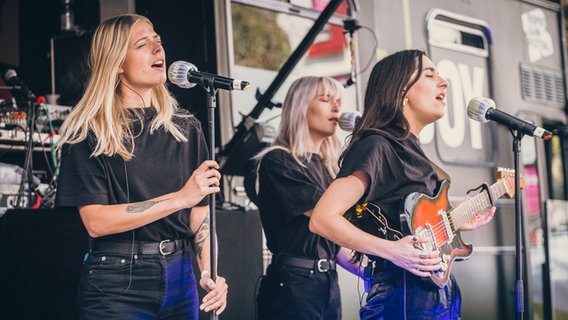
434, 219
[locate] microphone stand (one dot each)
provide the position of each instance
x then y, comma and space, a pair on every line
27, 171
519, 229
207, 84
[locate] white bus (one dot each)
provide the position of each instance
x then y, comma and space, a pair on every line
511, 51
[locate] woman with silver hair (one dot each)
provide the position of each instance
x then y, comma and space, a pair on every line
301, 282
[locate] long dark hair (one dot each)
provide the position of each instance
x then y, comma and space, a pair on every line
388, 83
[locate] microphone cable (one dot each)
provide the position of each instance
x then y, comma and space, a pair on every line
350, 26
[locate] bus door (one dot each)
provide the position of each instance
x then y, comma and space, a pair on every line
460, 46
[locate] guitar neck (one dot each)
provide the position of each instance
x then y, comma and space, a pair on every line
477, 204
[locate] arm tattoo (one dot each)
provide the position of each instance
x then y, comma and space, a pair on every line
201, 235
142, 206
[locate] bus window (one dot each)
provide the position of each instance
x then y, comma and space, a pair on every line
459, 46
557, 164
264, 35
265, 46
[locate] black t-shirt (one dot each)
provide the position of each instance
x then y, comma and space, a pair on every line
286, 191
160, 165
395, 168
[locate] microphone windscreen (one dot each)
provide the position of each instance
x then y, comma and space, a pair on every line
10, 73
177, 74
348, 120
477, 108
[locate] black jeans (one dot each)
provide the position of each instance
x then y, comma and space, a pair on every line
397, 295
140, 286
295, 293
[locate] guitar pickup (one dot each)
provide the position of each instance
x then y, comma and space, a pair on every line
447, 225
427, 232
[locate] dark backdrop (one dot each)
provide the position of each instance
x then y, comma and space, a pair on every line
187, 29
41, 254
41, 251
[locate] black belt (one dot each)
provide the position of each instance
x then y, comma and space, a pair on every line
164, 247
319, 265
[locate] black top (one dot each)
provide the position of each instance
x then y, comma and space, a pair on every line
286, 191
160, 165
395, 169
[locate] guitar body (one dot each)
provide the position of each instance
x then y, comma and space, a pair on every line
370, 218
430, 217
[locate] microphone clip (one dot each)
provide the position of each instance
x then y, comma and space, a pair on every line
350, 26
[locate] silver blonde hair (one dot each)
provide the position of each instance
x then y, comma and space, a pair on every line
294, 134
101, 109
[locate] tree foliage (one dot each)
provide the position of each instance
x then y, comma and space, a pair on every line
259, 41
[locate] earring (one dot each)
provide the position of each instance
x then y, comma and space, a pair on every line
404, 102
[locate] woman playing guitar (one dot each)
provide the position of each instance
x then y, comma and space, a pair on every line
382, 164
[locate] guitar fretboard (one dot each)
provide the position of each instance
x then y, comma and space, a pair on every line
477, 204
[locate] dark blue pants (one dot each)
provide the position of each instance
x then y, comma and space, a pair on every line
397, 295
142, 286
296, 293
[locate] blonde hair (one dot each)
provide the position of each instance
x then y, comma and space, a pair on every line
294, 133
101, 109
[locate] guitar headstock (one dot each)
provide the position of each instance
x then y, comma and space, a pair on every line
508, 177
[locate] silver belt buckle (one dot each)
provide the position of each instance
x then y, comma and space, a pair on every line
161, 247
323, 265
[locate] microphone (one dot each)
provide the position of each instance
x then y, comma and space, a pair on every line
483, 109
185, 75
12, 79
348, 121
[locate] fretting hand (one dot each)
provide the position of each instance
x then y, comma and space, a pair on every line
479, 220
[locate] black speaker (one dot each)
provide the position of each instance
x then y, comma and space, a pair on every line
239, 235
42, 255
69, 72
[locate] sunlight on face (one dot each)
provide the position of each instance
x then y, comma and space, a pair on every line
322, 115
144, 65
426, 98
